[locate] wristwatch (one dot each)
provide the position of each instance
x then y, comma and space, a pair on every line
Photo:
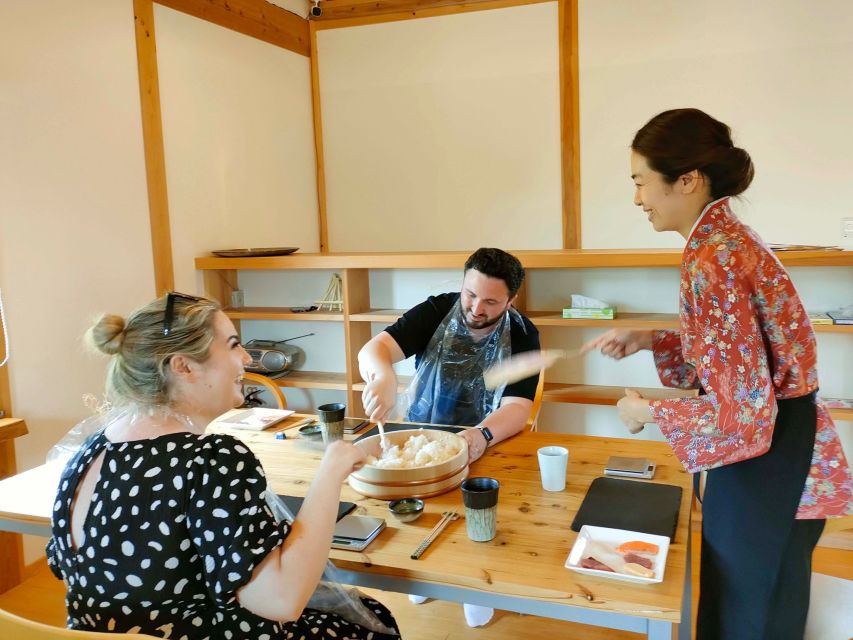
486, 434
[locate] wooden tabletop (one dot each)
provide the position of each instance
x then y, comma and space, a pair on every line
527, 557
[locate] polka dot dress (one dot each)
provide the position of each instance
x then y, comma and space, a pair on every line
175, 527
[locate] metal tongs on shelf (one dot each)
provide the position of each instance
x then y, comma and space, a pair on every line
446, 518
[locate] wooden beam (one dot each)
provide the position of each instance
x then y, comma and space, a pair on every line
570, 123
152, 140
353, 13
255, 18
318, 142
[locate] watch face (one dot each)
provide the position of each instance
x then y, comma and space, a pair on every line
486, 434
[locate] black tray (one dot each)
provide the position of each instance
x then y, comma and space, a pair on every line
647, 507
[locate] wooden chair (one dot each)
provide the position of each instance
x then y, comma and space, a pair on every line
537, 403
269, 384
12, 626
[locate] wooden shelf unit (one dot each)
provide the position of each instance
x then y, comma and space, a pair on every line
221, 278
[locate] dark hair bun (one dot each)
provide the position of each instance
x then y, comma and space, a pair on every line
107, 334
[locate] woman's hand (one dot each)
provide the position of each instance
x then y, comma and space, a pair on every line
619, 343
634, 411
476, 443
379, 397
343, 458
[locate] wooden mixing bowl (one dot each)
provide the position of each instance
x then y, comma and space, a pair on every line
417, 482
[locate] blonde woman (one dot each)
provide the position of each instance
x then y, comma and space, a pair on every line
161, 529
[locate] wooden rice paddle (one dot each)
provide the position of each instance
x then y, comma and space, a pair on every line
524, 365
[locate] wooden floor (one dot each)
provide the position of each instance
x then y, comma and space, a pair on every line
41, 598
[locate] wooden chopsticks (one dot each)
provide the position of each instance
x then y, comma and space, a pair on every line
446, 518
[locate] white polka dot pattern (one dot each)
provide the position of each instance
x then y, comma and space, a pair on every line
158, 557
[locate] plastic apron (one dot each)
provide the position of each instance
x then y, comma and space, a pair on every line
448, 386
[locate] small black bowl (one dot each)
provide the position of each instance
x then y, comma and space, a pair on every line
311, 431
406, 509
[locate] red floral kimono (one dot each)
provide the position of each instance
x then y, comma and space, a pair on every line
746, 340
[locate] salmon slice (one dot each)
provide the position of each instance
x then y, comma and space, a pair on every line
638, 546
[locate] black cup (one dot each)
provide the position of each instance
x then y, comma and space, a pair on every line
333, 412
480, 496
480, 493
332, 421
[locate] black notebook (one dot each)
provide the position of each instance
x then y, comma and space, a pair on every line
294, 503
402, 426
647, 507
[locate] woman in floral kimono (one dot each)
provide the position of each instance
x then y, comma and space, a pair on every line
775, 465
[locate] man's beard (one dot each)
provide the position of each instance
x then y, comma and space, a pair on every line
482, 324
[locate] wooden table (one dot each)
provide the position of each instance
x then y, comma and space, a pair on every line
522, 569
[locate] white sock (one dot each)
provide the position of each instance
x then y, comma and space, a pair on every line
477, 616
417, 599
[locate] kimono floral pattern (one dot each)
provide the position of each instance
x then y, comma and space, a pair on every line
746, 340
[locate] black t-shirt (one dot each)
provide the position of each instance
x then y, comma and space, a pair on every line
416, 327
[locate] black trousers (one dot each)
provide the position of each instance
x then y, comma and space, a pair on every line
756, 556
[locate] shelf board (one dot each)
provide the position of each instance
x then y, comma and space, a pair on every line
378, 315
402, 384
314, 380
841, 414
833, 328
603, 395
539, 318
637, 320
640, 321
282, 313
538, 259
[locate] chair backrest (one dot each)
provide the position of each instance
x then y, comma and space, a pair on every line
270, 385
537, 403
12, 626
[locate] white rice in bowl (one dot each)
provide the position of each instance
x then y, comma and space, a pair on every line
418, 451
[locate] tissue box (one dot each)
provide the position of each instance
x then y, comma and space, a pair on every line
607, 313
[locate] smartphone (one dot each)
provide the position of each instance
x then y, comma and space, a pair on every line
354, 532
625, 467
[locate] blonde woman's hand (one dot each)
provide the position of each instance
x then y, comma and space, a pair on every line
343, 458
619, 343
634, 411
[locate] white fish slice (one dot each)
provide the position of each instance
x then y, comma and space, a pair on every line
524, 365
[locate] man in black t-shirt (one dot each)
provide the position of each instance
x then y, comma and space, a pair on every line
491, 281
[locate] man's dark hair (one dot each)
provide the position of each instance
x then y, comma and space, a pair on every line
496, 263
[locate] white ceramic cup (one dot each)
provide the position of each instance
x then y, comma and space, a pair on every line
552, 467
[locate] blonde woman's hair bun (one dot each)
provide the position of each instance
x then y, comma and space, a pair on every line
107, 334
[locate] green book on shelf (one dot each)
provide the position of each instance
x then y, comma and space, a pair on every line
607, 313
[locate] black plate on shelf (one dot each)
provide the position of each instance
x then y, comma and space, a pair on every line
403, 426
254, 253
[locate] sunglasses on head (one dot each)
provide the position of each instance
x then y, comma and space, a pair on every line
169, 315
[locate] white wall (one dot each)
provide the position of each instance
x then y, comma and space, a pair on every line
239, 141
443, 133
74, 237
776, 71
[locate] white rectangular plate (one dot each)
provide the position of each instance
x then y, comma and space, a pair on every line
256, 418
612, 538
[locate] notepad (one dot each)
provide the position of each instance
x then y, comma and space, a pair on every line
647, 507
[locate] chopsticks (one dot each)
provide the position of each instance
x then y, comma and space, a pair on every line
446, 518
